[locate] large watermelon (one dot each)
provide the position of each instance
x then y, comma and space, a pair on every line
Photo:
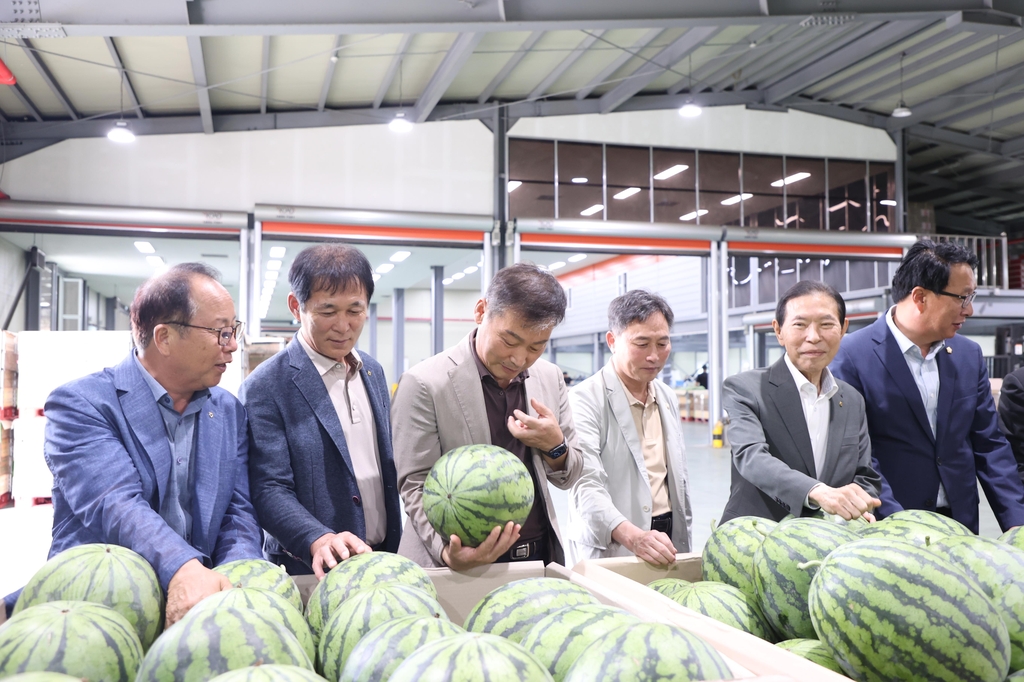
1014, 536
890, 610
269, 673
78, 638
264, 575
384, 648
911, 529
649, 651
726, 604
728, 555
999, 569
470, 656
473, 488
105, 574
512, 609
929, 519
357, 573
269, 604
669, 586
780, 581
813, 650
363, 611
206, 643
42, 677
559, 638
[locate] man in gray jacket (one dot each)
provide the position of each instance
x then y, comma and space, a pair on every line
632, 498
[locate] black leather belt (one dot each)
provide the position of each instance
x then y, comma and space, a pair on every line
945, 511
524, 551
662, 522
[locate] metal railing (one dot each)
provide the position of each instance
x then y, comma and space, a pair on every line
993, 258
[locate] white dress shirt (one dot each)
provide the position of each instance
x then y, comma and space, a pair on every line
817, 410
348, 395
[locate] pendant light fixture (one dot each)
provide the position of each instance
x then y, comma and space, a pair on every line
121, 132
901, 110
689, 109
400, 124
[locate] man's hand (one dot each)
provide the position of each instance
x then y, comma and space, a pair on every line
541, 432
500, 540
850, 501
190, 585
330, 548
652, 546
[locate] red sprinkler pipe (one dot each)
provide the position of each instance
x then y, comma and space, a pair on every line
6, 77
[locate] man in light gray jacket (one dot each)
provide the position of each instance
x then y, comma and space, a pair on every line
632, 498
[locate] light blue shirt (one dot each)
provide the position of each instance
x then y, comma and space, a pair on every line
176, 506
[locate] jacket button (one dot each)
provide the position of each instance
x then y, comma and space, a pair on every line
356, 500
647, 509
939, 462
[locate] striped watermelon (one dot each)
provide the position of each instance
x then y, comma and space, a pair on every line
889, 610
559, 638
1019, 675
649, 651
726, 604
357, 573
512, 609
470, 657
906, 530
43, 677
105, 574
929, 519
264, 575
78, 638
999, 569
363, 611
269, 673
473, 488
780, 582
1014, 537
814, 651
669, 586
384, 648
269, 604
206, 643
728, 555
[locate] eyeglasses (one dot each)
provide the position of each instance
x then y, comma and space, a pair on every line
964, 300
224, 334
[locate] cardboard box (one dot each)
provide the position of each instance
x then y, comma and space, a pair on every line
6, 464
9, 352
627, 577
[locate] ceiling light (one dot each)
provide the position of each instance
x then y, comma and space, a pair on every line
556, 265
887, 202
690, 110
579, 181
479, 263
334, 59
277, 251
901, 110
796, 177
458, 275
576, 258
272, 275
121, 133
736, 199
447, 280
399, 256
376, 277
669, 172
694, 214
513, 185
596, 208
626, 193
155, 261
471, 269
385, 268
273, 265
400, 124
145, 247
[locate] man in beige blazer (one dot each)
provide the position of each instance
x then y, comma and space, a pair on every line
491, 388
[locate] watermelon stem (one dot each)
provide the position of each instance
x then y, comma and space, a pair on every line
809, 564
714, 525
761, 530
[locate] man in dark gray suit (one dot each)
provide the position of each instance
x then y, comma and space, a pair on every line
799, 436
1011, 415
320, 461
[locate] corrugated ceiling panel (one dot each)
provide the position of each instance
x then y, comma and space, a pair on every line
964, 75
12, 107
85, 71
547, 54
425, 54
489, 58
605, 50
161, 73
299, 64
707, 54
645, 55
989, 116
362, 64
235, 63
33, 85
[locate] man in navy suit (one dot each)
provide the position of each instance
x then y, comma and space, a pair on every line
931, 417
150, 454
322, 470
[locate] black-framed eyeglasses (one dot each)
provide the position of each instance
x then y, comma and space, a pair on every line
224, 334
964, 300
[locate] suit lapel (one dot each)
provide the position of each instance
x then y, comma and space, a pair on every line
888, 351
836, 430
143, 417
786, 399
207, 461
947, 389
466, 383
311, 385
619, 404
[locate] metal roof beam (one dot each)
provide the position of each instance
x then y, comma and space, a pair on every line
564, 65
947, 184
265, 74
1013, 146
779, 60
26, 102
511, 64
715, 64
48, 78
997, 124
449, 68
126, 82
624, 56
724, 74
985, 107
651, 70
195, 51
14, 149
389, 76
967, 224
332, 63
1010, 77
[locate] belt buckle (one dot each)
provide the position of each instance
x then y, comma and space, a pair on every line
521, 552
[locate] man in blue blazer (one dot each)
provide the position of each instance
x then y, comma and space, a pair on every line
150, 454
322, 470
932, 420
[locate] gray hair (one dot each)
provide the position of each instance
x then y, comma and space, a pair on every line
534, 294
636, 306
167, 298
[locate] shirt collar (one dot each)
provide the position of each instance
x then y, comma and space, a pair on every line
905, 344
325, 364
159, 392
651, 396
481, 368
828, 382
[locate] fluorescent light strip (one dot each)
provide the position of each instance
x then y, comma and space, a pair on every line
626, 193
596, 208
669, 172
145, 247
399, 256
272, 274
513, 185
736, 199
277, 251
579, 181
273, 265
577, 258
470, 270
790, 179
385, 268
694, 214
155, 261
887, 202
556, 265
447, 280
458, 275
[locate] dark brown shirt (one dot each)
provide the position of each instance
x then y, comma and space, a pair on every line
500, 403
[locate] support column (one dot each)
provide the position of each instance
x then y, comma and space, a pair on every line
500, 128
256, 265
373, 330
595, 363
901, 179
244, 276
487, 270
398, 332
436, 310
110, 313
714, 342
723, 322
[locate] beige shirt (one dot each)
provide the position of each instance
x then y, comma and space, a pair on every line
348, 395
817, 410
647, 419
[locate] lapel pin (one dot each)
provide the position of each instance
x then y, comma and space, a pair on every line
949, 350
369, 373
210, 413
840, 403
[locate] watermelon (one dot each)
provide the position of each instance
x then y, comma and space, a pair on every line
648, 651
357, 573
363, 611
559, 638
907, 530
269, 604
384, 648
813, 650
929, 519
890, 610
105, 574
78, 638
781, 583
1014, 537
512, 609
43, 677
724, 603
470, 656
264, 575
473, 488
206, 643
269, 673
728, 555
999, 569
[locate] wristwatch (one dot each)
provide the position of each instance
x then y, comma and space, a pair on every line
557, 451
